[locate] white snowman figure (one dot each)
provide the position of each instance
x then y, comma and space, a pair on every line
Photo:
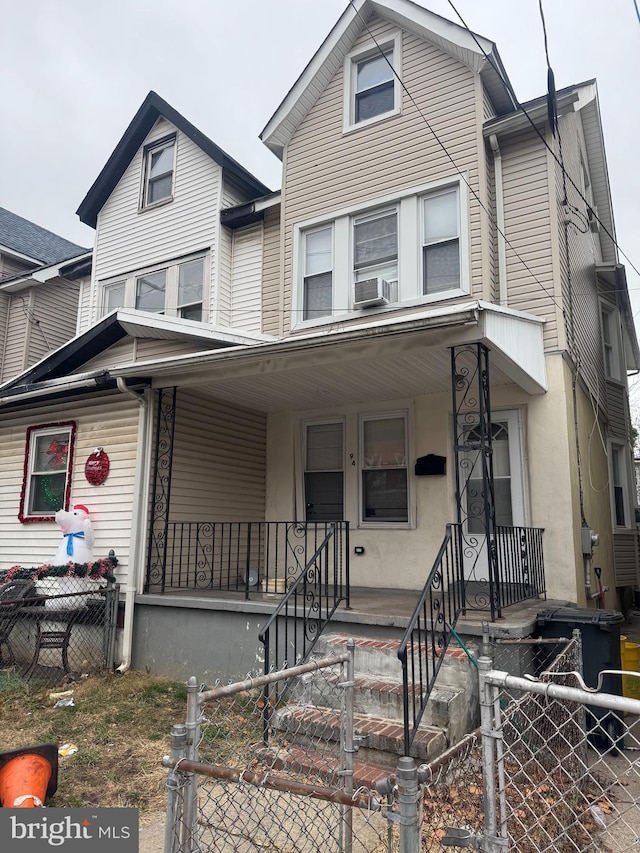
77, 536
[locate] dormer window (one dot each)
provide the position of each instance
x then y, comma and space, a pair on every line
159, 164
372, 87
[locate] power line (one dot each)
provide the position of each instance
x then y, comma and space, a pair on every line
565, 174
454, 164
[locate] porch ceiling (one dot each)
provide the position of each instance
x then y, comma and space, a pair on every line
389, 362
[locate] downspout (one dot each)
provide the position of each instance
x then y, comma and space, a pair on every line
136, 550
502, 242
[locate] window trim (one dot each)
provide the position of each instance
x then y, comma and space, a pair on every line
120, 282
147, 153
615, 346
171, 308
305, 424
365, 523
324, 227
391, 42
408, 203
33, 432
628, 505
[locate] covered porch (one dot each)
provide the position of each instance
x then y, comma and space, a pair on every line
441, 366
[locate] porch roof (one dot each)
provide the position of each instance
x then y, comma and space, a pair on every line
396, 358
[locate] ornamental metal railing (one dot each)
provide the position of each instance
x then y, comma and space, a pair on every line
244, 556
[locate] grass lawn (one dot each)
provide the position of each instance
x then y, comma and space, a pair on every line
120, 724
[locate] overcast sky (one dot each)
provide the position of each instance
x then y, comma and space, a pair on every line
73, 73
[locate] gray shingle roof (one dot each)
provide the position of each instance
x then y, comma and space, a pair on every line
35, 242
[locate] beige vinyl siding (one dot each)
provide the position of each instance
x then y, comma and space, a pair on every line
246, 278
218, 469
11, 266
55, 307
617, 410
107, 420
121, 353
18, 332
577, 263
625, 556
271, 272
326, 170
492, 228
128, 239
530, 285
488, 110
84, 306
148, 349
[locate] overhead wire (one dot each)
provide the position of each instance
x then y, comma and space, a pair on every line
459, 172
522, 109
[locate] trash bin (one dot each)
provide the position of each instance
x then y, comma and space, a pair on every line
600, 630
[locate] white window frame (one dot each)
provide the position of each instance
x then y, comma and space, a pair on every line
33, 434
612, 349
171, 308
367, 523
624, 457
409, 206
305, 234
391, 43
105, 291
148, 152
424, 243
319, 422
369, 216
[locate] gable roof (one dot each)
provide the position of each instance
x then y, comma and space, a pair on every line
30, 240
117, 325
468, 48
152, 108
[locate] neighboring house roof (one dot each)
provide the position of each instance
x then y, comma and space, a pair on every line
31, 241
152, 108
473, 50
117, 325
72, 268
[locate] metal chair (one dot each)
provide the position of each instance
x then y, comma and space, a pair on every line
13, 595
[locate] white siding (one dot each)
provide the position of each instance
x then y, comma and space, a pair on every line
84, 306
272, 285
4, 314
221, 307
128, 239
218, 469
246, 278
109, 421
121, 353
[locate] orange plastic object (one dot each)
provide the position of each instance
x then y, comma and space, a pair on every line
24, 781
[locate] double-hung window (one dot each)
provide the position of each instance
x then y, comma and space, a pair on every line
372, 89
384, 469
177, 290
375, 245
47, 480
324, 471
441, 241
151, 290
159, 164
611, 343
318, 273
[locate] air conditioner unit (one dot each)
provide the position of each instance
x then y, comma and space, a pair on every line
371, 292
592, 216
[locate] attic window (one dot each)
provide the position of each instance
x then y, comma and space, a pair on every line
159, 165
372, 89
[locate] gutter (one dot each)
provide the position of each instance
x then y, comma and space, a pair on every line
468, 315
140, 497
502, 248
91, 379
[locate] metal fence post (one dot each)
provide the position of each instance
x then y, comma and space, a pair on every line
347, 746
178, 751
190, 843
488, 756
408, 800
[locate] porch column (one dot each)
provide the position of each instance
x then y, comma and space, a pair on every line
161, 491
473, 463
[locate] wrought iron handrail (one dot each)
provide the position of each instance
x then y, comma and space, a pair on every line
308, 605
422, 649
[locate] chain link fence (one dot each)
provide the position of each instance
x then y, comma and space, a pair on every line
268, 764
57, 630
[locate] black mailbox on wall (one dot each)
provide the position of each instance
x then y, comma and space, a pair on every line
430, 465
